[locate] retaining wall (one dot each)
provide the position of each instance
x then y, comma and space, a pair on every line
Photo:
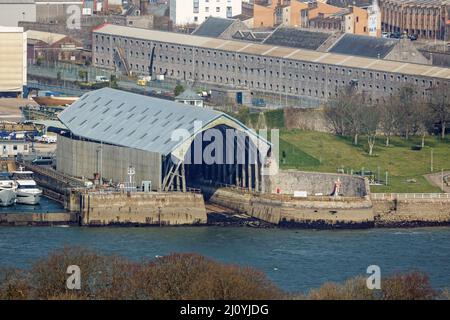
411, 212
287, 211
25, 219
143, 208
316, 182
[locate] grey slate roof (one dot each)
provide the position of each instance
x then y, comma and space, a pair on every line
251, 35
297, 38
365, 46
132, 120
213, 27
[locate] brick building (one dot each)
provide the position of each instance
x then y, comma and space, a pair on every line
425, 18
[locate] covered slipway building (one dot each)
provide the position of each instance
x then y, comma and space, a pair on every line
110, 131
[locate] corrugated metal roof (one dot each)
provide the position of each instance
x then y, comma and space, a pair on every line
132, 120
276, 51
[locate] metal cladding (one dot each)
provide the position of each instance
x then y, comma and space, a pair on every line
132, 120
136, 121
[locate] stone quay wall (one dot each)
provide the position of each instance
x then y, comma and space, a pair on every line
174, 208
411, 212
289, 181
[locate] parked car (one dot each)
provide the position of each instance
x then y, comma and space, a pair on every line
395, 35
412, 37
43, 161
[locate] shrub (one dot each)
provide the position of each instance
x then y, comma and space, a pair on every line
408, 286
352, 289
176, 276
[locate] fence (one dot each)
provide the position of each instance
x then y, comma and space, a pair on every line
405, 196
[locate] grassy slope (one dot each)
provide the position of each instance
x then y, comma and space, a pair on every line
313, 151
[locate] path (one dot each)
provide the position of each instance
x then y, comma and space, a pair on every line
436, 180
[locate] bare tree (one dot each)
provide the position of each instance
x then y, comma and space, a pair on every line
409, 111
354, 114
388, 110
344, 113
335, 116
439, 104
370, 120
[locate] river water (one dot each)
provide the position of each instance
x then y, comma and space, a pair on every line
296, 260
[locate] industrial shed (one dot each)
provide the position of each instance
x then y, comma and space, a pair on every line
111, 130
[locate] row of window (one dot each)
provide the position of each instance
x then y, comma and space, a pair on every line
284, 63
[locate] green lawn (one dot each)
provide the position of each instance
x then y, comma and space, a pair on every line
314, 151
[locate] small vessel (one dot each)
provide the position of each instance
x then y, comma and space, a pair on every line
53, 99
7, 190
27, 191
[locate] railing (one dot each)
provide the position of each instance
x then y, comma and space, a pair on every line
68, 180
404, 196
118, 190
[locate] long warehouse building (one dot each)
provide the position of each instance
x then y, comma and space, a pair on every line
306, 74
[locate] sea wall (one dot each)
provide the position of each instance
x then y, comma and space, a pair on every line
411, 212
289, 181
286, 211
38, 219
153, 208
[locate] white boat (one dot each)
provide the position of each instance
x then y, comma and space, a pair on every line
27, 191
7, 190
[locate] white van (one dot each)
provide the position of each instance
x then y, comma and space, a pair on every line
101, 79
48, 139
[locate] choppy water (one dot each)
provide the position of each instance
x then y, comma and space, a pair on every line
295, 259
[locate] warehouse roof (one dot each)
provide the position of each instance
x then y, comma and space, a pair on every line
297, 38
251, 35
47, 37
365, 46
136, 121
276, 51
213, 27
